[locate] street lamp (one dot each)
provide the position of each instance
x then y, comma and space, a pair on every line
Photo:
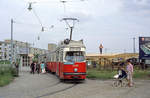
134, 45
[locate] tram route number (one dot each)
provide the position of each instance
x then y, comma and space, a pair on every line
75, 65
75, 48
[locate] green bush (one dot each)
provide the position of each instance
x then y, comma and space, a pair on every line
4, 70
4, 62
6, 75
14, 72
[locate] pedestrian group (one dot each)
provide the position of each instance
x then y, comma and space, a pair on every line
37, 67
128, 74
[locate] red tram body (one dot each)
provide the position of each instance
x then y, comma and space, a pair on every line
68, 60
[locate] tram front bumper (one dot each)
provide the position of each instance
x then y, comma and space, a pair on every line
81, 73
74, 75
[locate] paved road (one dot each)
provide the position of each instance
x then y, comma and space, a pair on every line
48, 86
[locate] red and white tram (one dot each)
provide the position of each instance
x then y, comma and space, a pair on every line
68, 60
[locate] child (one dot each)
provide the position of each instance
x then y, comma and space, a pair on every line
121, 73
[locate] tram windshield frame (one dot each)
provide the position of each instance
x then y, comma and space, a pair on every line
75, 56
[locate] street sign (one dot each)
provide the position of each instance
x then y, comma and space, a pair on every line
23, 50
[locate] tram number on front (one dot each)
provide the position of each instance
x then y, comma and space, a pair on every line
75, 65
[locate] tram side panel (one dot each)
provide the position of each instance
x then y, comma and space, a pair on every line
53, 67
48, 65
61, 70
58, 69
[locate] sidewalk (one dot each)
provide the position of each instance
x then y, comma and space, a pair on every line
25, 69
27, 85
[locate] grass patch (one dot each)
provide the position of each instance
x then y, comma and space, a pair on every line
140, 74
6, 75
101, 74
97, 74
5, 79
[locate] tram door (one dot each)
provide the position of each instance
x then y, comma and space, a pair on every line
57, 63
57, 70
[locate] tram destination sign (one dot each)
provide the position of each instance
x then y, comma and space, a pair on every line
75, 48
144, 47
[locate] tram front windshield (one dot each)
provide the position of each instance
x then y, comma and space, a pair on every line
75, 56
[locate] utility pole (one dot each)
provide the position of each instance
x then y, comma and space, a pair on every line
12, 41
134, 45
26, 54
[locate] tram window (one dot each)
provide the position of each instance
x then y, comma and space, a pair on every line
74, 56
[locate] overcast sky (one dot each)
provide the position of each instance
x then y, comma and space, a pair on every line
112, 23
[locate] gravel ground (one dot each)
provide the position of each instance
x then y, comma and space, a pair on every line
49, 86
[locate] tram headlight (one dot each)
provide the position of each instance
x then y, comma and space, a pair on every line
82, 49
75, 69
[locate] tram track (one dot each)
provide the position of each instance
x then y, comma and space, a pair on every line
55, 84
49, 86
57, 91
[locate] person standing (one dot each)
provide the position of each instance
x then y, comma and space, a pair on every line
32, 67
17, 68
38, 68
129, 73
43, 67
101, 48
121, 72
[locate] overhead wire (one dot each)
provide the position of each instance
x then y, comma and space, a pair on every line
36, 25
20, 13
18, 22
38, 18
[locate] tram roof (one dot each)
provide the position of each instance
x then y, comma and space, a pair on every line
72, 43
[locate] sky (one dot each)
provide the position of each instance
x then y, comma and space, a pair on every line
112, 23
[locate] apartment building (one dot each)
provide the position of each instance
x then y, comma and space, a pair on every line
21, 51
5, 51
51, 47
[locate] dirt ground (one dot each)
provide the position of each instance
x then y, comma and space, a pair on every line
49, 86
